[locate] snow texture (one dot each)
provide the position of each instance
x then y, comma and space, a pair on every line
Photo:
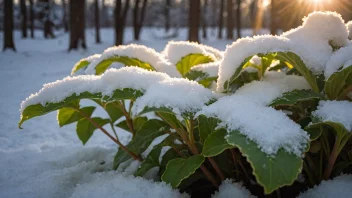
176, 50
335, 188
180, 95
211, 69
229, 189
338, 60
349, 27
335, 111
269, 128
139, 52
273, 85
111, 185
112, 79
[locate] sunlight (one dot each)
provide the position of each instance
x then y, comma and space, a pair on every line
266, 3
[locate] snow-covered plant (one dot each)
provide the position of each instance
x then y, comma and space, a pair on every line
267, 112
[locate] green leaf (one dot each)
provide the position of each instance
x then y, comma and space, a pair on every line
137, 123
291, 58
295, 96
67, 116
85, 128
141, 141
201, 77
151, 161
272, 172
168, 156
338, 82
216, 143
39, 109
80, 65
127, 61
180, 169
187, 62
206, 126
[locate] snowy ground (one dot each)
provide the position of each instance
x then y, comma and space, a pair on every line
43, 160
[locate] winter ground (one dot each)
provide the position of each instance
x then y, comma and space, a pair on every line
43, 160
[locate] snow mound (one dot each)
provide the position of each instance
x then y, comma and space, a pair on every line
139, 52
181, 95
273, 85
127, 77
338, 60
349, 27
269, 128
110, 184
176, 50
338, 187
211, 69
229, 189
335, 111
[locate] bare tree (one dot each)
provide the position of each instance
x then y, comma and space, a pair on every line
273, 26
138, 17
23, 18
238, 18
194, 20
167, 15
8, 25
221, 18
64, 15
204, 18
97, 21
230, 24
120, 18
77, 24
31, 18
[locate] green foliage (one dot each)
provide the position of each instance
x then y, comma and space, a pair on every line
296, 96
339, 84
201, 77
125, 60
80, 65
85, 127
187, 62
216, 143
179, 169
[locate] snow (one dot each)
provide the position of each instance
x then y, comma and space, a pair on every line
211, 69
338, 187
176, 50
338, 60
139, 52
127, 77
182, 96
335, 111
269, 128
229, 189
349, 27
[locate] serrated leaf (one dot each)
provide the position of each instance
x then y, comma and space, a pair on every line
141, 141
180, 169
216, 143
127, 61
151, 161
39, 109
187, 62
338, 82
270, 172
85, 128
206, 126
80, 65
295, 96
67, 116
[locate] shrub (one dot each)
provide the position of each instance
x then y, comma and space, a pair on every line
267, 112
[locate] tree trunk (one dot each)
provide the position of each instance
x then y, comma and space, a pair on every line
77, 24
23, 18
97, 21
120, 18
31, 18
194, 20
238, 19
273, 27
64, 17
138, 17
204, 18
230, 24
8, 25
221, 18
167, 15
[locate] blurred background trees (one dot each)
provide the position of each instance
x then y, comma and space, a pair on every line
201, 18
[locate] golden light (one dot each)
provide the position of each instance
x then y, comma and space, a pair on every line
266, 3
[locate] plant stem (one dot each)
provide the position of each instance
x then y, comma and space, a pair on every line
333, 156
217, 169
234, 155
136, 157
210, 176
129, 120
